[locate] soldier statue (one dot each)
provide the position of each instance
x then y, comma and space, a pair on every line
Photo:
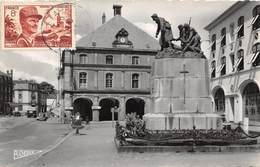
190, 39
163, 27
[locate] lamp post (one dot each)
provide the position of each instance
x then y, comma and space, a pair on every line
113, 114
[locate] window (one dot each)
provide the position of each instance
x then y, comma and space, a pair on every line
223, 37
109, 59
213, 42
135, 80
251, 101
83, 59
240, 25
256, 17
232, 60
20, 107
240, 60
232, 31
109, 80
135, 60
223, 66
256, 48
20, 96
219, 99
213, 69
213, 55
82, 79
255, 59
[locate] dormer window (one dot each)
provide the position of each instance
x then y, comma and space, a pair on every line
121, 40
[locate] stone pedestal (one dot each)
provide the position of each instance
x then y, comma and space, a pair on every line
180, 97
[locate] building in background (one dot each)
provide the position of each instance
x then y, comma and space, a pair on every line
29, 98
235, 62
109, 71
6, 92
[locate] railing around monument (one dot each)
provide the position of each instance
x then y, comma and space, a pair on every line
141, 136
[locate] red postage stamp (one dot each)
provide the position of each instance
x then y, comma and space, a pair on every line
38, 26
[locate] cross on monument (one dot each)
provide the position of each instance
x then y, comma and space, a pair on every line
184, 72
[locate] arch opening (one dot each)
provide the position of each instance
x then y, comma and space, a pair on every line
219, 99
135, 105
84, 107
251, 102
107, 106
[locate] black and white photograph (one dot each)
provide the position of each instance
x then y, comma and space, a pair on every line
133, 83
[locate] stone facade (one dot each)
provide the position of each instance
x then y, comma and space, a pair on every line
6, 92
235, 62
28, 97
109, 71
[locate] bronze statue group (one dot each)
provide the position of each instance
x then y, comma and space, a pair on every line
188, 36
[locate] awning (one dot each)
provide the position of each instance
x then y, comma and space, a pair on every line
212, 69
211, 44
238, 28
238, 62
253, 20
221, 38
254, 57
221, 67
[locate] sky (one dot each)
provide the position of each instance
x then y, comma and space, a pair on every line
42, 65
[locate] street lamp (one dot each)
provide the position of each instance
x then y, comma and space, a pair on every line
113, 110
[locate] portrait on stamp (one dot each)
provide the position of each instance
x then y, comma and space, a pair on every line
38, 26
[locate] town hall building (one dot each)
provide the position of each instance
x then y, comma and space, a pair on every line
109, 71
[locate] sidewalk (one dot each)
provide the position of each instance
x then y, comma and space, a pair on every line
95, 148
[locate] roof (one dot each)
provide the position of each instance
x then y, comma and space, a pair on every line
3, 74
235, 7
104, 36
25, 81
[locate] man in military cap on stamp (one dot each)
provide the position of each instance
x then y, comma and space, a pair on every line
29, 20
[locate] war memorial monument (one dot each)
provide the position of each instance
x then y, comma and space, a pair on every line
181, 111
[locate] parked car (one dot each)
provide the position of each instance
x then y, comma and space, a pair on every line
42, 117
17, 114
31, 114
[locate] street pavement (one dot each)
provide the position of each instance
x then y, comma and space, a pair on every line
29, 134
95, 148
11, 122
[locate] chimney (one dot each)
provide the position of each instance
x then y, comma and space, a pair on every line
12, 73
117, 9
103, 18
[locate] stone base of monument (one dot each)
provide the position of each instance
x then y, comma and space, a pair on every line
182, 121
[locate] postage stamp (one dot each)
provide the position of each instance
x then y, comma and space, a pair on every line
38, 26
